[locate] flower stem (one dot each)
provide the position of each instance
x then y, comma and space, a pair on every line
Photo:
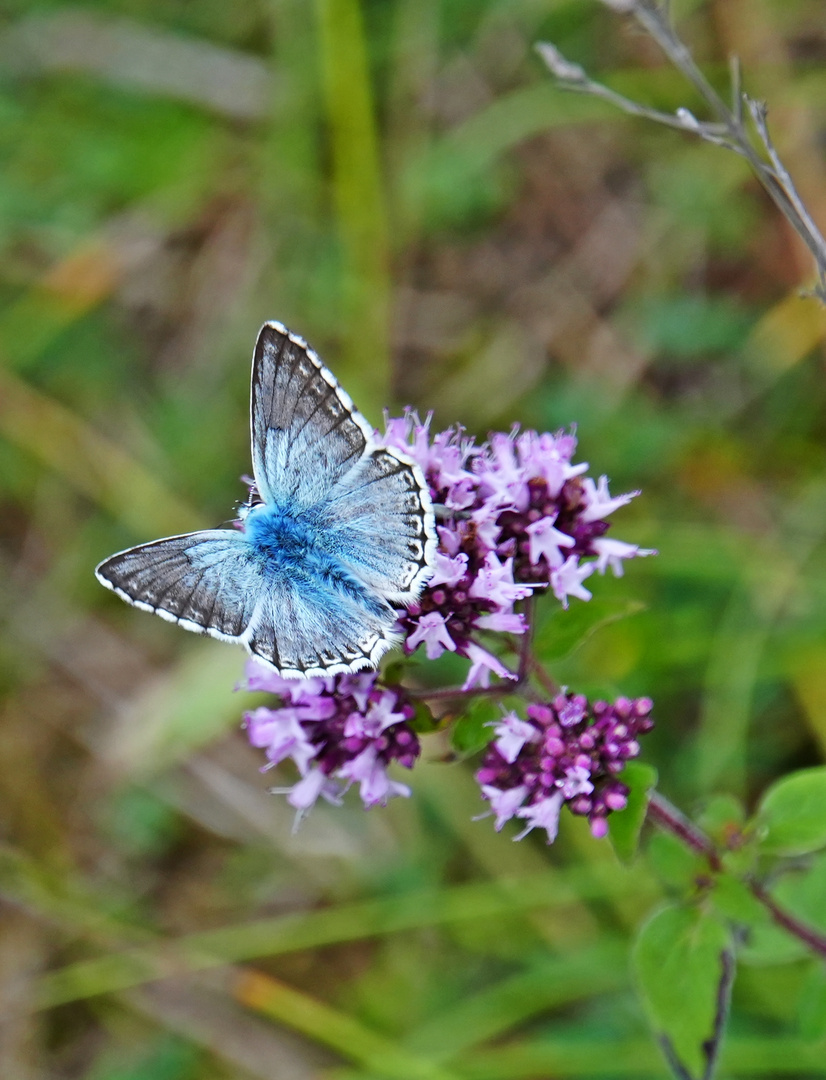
714, 1045
807, 934
525, 651
670, 819
542, 676
450, 692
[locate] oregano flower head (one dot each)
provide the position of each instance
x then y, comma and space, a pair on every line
517, 518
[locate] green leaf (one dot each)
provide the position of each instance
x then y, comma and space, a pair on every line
813, 1004
559, 632
801, 891
624, 826
676, 865
791, 819
473, 731
769, 945
743, 860
735, 900
722, 818
677, 958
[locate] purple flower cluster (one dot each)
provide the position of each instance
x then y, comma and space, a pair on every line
338, 731
567, 751
517, 515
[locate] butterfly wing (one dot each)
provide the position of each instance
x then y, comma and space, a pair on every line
307, 628
306, 433
382, 526
312, 447
204, 581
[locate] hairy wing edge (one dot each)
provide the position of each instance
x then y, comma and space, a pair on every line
431, 539
371, 651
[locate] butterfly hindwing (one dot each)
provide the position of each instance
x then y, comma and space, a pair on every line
306, 432
204, 581
381, 516
308, 628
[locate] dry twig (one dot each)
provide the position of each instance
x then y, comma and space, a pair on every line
727, 128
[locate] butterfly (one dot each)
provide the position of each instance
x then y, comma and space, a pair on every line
338, 532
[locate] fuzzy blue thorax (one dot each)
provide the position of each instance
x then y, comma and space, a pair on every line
299, 545
283, 541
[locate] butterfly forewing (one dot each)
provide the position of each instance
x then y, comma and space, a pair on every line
202, 580
305, 431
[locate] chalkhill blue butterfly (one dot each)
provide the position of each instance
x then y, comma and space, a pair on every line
337, 534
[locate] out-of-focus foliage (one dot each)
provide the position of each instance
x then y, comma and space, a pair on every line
399, 182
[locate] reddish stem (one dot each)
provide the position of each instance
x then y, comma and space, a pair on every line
672, 820
807, 934
669, 818
542, 677
448, 693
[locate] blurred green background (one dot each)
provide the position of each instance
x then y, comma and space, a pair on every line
398, 181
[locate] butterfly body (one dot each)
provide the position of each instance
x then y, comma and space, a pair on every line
344, 533
282, 542
286, 546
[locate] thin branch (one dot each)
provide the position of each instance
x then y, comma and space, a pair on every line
778, 184
807, 934
573, 77
759, 111
736, 78
714, 1045
448, 693
542, 676
512, 684
727, 129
